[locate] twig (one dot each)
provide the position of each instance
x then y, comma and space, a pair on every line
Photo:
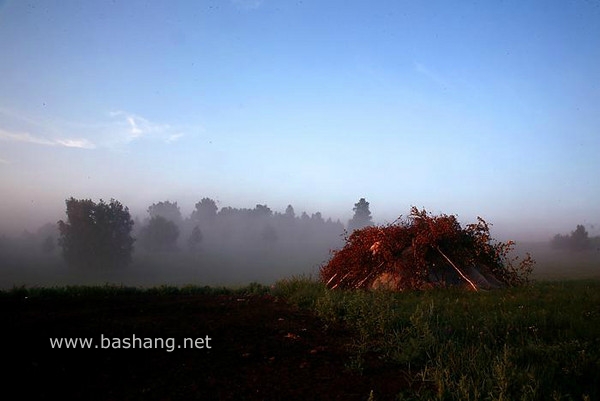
332, 277
365, 279
457, 269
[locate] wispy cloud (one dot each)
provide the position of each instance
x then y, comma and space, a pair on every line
137, 127
4, 161
431, 74
16, 127
76, 143
174, 137
135, 131
38, 140
118, 129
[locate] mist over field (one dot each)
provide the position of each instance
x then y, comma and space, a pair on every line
235, 246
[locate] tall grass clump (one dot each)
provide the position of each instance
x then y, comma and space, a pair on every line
299, 290
538, 342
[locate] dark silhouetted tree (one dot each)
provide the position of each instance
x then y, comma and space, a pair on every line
159, 235
317, 218
262, 211
362, 216
168, 210
205, 212
580, 239
96, 235
289, 212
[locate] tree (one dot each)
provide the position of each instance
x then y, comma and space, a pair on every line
579, 240
362, 216
168, 210
159, 235
96, 235
262, 211
317, 218
289, 212
195, 239
205, 212
560, 241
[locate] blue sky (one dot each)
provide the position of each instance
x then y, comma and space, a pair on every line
468, 108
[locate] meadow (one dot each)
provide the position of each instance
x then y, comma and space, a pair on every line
540, 342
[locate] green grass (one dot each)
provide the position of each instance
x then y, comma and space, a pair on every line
531, 343
107, 290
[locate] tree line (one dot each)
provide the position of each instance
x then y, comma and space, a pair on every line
101, 234
578, 240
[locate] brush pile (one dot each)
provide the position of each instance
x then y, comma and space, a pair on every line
425, 251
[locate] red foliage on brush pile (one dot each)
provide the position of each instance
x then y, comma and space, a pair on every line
423, 251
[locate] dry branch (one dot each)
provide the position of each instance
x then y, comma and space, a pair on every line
457, 269
406, 252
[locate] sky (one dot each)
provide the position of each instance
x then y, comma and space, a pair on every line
471, 108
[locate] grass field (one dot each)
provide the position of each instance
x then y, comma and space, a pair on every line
534, 343
540, 342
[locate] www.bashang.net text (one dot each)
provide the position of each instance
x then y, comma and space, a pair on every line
134, 342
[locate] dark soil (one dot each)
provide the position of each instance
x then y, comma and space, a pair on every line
261, 348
